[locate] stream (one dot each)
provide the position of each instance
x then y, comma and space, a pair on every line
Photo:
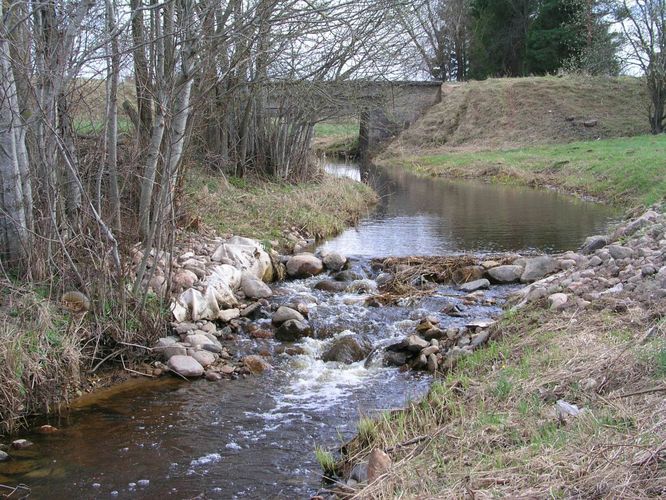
255, 437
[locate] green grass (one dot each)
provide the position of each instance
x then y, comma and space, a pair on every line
336, 129
87, 126
625, 171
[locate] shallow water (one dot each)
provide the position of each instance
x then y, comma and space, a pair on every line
254, 437
432, 216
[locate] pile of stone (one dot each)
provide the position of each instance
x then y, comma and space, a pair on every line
434, 349
620, 270
219, 289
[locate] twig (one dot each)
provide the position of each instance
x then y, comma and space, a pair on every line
135, 371
637, 393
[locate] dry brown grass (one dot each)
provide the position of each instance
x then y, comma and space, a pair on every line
516, 112
263, 210
489, 429
39, 355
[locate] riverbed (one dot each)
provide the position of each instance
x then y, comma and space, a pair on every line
255, 437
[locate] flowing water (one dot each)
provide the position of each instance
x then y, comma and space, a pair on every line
254, 437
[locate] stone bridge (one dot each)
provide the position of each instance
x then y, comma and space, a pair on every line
384, 108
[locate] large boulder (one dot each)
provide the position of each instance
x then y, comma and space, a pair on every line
348, 349
253, 287
505, 274
285, 313
186, 366
304, 265
538, 268
205, 358
292, 330
194, 305
334, 261
247, 255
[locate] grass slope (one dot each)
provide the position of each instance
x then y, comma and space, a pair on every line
263, 210
514, 112
489, 428
625, 171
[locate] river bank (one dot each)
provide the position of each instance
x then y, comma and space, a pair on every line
46, 357
625, 172
567, 399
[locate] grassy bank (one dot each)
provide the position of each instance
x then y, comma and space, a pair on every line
263, 210
337, 139
625, 171
489, 428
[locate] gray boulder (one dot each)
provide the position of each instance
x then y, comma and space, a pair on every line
538, 267
505, 274
393, 358
292, 330
348, 349
205, 358
284, 314
619, 252
186, 366
347, 275
304, 265
253, 287
473, 286
334, 261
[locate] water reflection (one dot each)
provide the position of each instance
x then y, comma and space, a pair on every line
430, 216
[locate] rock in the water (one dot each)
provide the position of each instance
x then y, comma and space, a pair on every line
378, 463
594, 243
212, 376
619, 252
253, 287
256, 364
416, 343
505, 274
186, 366
347, 275
537, 268
331, 286
285, 314
292, 330
392, 358
473, 286
3, 456
204, 357
558, 300
304, 265
348, 349
334, 261
20, 444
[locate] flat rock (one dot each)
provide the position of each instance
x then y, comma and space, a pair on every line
475, 285
505, 274
3, 456
285, 314
304, 265
20, 444
538, 268
186, 366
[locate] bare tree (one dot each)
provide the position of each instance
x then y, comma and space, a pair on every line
644, 26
